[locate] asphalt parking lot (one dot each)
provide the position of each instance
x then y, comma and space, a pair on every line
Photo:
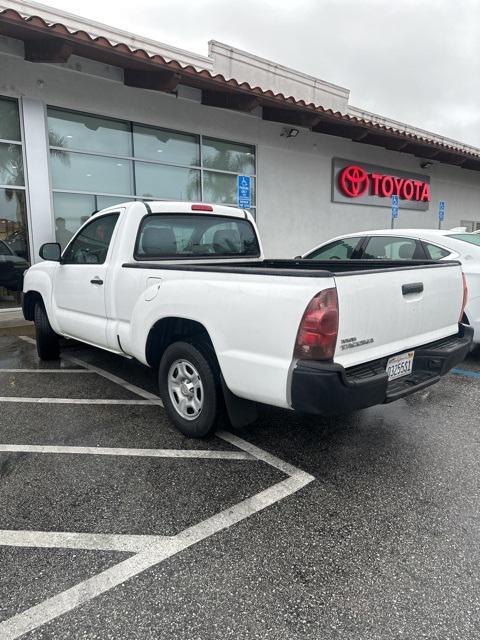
113, 526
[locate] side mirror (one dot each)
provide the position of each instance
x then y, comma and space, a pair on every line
297, 257
51, 251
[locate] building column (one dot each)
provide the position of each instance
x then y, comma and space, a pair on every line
41, 222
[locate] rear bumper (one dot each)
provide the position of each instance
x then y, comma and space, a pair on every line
329, 389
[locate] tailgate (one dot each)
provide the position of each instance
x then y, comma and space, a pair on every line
388, 311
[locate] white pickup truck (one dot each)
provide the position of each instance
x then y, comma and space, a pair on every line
185, 289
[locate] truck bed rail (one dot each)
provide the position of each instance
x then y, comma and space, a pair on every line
294, 268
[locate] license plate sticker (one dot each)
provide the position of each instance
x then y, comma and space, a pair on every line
399, 366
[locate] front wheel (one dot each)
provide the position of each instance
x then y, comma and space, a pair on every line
48, 344
188, 388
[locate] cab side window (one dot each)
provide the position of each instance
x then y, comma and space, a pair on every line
90, 246
434, 252
393, 248
339, 250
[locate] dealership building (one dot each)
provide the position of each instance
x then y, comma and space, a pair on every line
91, 116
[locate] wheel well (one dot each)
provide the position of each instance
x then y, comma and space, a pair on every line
30, 299
169, 330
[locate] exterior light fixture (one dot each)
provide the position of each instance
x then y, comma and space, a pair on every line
289, 132
426, 163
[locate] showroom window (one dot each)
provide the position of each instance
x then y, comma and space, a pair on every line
98, 162
14, 248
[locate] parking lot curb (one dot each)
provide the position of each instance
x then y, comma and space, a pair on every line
16, 327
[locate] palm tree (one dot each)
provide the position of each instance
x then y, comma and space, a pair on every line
223, 158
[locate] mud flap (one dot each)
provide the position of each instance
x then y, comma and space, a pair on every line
240, 412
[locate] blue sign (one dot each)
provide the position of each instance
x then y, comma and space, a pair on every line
394, 206
244, 199
441, 210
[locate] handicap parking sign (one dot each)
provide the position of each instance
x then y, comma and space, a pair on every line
244, 200
441, 210
394, 206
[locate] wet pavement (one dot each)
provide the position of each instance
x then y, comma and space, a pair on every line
370, 531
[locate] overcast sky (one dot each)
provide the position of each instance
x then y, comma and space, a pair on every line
417, 61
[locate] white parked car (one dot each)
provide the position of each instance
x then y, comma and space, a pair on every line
413, 244
185, 289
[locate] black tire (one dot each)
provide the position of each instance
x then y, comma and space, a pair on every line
200, 356
48, 344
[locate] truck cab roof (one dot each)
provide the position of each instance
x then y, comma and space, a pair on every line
162, 206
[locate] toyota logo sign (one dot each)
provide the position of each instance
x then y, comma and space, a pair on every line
362, 183
354, 181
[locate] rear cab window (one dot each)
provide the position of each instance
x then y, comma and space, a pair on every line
186, 236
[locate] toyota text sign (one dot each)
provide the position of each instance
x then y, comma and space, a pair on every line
356, 182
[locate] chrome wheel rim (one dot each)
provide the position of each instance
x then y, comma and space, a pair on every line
185, 389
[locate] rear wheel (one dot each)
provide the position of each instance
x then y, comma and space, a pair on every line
48, 345
188, 387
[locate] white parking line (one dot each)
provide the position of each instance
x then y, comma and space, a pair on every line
45, 371
79, 594
144, 453
262, 455
86, 541
85, 591
71, 400
106, 374
244, 509
29, 340
113, 378
157, 548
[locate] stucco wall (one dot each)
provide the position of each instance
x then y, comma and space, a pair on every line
295, 211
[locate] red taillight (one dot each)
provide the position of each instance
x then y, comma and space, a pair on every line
465, 296
202, 207
317, 334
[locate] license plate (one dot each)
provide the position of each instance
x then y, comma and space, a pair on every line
399, 366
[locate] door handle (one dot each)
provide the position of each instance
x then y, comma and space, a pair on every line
96, 281
414, 287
